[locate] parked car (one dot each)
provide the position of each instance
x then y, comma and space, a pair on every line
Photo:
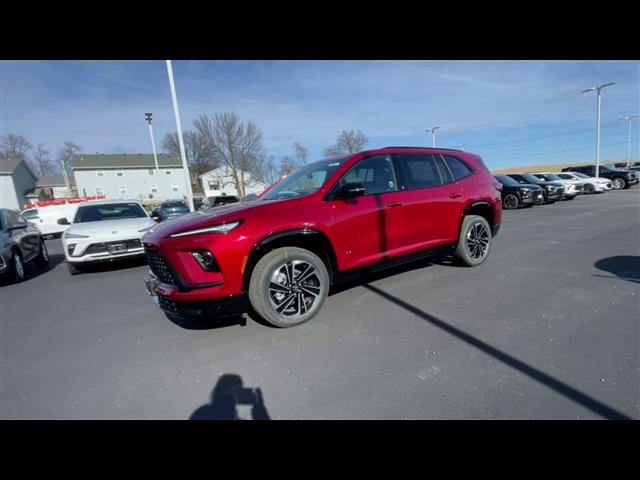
20, 243
552, 191
572, 188
197, 203
218, 201
635, 168
589, 184
283, 251
104, 231
171, 209
516, 195
620, 179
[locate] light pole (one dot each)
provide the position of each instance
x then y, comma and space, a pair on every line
628, 120
176, 111
598, 88
148, 116
433, 135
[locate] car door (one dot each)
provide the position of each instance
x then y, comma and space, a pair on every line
364, 227
17, 230
429, 193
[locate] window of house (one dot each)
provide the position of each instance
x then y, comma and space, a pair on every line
151, 171
100, 173
122, 190
167, 172
154, 188
99, 191
174, 188
213, 185
120, 173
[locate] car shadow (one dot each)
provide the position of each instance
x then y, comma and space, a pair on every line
114, 265
626, 267
32, 271
227, 395
204, 322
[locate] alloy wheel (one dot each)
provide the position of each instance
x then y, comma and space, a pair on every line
43, 250
510, 202
19, 266
477, 241
618, 183
294, 288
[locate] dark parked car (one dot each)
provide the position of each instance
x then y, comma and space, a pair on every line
172, 209
283, 251
552, 191
218, 201
620, 178
20, 243
515, 195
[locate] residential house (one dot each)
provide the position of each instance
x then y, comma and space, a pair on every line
16, 181
220, 182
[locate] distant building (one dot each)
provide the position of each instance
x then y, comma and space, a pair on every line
16, 181
219, 182
55, 187
129, 176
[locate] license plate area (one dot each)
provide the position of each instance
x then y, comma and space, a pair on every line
117, 248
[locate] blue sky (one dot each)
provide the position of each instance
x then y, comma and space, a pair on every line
511, 112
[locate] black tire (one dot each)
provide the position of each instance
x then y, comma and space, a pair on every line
42, 259
285, 265
466, 251
570, 198
73, 270
588, 189
16, 272
510, 202
620, 183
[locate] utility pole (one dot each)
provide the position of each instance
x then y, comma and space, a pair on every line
597, 89
433, 135
176, 111
148, 116
628, 120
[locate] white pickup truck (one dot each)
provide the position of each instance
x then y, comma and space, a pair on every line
45, 215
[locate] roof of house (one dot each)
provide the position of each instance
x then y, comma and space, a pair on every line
54, 181
9, 165
84, 161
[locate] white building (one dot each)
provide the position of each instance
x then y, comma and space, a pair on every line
16, 180
219, 182
56, 186
129, 176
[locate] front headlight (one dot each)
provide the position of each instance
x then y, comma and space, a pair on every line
74, 235
222, 228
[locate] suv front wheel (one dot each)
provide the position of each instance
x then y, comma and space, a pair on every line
619, 183
288, 286
474, 243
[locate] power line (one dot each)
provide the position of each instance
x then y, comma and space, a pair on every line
554, 153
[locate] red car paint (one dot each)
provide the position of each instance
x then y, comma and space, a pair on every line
368, 230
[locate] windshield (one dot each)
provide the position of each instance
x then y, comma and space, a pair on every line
175, 205
304, 180
503, 179
30, 214
580, 175
112, 211
548, 176
530, 178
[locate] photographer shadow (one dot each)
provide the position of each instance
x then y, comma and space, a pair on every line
225, 398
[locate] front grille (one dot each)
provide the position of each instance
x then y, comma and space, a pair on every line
104, 246
159, 266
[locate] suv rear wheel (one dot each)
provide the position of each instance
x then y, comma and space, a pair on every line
17, 267
474, 243
288, 286
43, 255
510, 202
619, 183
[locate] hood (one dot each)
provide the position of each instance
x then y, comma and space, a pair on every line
107, 227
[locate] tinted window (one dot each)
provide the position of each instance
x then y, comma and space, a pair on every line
481, 162
225, 200
375, 173
445, 174
11, 218
457, 167
113, 211
420, 170
503, 179
174, 205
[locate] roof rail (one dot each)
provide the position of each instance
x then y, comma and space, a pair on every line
427, 148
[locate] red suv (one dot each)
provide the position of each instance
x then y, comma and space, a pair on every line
284, 250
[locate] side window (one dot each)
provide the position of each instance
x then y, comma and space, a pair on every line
375, 173
458, 168
443, 169
420, 170
11, 218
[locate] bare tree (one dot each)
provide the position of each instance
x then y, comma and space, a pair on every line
42, 161
235, 144
348, 141
197, 147
301, 153
287, 165
65, 154
15, 146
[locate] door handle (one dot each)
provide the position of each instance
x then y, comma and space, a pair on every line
394, 204
455, 195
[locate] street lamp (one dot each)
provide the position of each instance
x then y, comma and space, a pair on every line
433, 135
462, 145
628, 120
597, 89
176, 111
148, 116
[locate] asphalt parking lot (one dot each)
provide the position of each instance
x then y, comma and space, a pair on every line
547, 328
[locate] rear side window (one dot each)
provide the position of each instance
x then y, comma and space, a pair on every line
420, 170
445, 174
458, 168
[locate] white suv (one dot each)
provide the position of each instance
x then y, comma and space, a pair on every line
104, 231
589, 184
572, 188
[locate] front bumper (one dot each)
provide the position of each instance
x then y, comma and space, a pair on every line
536, 198
112, 250
167, 298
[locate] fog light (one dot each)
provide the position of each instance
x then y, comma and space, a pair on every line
70, 248
206, 260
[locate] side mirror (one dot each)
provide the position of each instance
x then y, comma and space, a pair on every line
63, 221
349, 190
